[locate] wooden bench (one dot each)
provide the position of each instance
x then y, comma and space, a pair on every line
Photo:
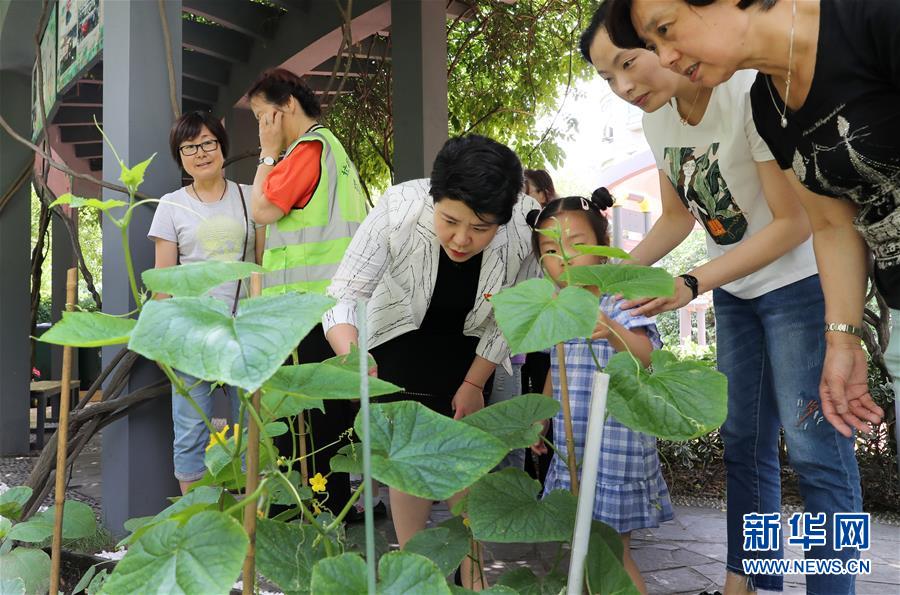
44, 392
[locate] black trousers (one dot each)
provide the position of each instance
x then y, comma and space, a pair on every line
324, 428
534, 375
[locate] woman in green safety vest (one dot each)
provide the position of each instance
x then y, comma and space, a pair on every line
308, 193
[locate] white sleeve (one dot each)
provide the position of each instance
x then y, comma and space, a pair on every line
362, 266
163, 224
650, 124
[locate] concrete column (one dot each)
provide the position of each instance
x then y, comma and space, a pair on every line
243, 134
684, 325
137, 115
701, 326
419, 53
15, 251
617, 234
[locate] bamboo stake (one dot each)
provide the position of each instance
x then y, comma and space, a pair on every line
567, 417
62, 441
249, 574
304, 464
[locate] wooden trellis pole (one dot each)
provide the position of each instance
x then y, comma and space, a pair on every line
249, 574
62, 441
567, 417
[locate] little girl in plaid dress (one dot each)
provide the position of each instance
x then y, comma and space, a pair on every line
631, 492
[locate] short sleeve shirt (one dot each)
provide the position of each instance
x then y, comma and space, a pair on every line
293, 181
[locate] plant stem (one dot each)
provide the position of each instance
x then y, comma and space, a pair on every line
182, 390
567, 418
340, 517
128, 263
248, 498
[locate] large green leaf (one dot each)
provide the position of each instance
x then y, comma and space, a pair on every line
29, 565
78, 522
286, 553
331, 379
203, 555
355, 541
426, 454
197, 499
493, 590
89, 329
516, 422
199, 337
607, 251
446, 545
678, 401
12, 501
347, 460
5, 526
603, 565
344, 574
133, 177
503, 507
533, 316
196, 278
632, 281
401, 573
78, 202
525, 582
12, 585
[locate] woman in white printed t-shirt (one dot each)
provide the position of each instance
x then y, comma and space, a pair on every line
715, 169
209, 219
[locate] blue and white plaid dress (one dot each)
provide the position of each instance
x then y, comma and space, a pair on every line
631, 492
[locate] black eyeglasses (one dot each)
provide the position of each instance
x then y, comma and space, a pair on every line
208, 146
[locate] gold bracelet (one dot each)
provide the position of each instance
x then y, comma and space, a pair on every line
842, 327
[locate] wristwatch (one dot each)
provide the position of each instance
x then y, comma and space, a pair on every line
842, 327
691, 282
266, 161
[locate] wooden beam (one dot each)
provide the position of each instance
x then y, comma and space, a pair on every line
69, 115
320, 83
199, 91
88, 150
84, 94
215, 41
250, 18
203, 67
87, 133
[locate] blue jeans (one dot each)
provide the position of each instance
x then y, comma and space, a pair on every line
191, 434
892, 359
771, 349
506, 387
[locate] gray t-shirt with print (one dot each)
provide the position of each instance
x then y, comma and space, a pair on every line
207, 230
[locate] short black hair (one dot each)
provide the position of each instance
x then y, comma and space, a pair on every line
188, 126
598, 21
482, 173
278, 85
542, 182
593, 208
621, 30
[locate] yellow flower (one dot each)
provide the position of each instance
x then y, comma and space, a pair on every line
217, 437
467, 522
316, 509
317, 483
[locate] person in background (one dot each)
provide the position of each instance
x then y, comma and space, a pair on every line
631, 492
308, 193
209, 219
539, 186
428, 257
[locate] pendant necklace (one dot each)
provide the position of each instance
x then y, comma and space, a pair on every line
787, 83
686, 119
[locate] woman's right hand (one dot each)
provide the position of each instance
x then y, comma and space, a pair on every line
271, 127
540, 447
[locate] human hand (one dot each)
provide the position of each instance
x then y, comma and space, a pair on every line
540, 447
602, 329
653, 306
467, 400
844, 389
271, 126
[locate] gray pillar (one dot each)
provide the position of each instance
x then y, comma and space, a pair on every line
137, 115
243, 134
618, 233
62, 258
15, 251
419, 53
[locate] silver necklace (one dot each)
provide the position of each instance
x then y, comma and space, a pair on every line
198, 194
787, 83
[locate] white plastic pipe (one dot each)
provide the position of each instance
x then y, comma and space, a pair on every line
590, 462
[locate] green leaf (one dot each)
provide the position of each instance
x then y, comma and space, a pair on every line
335, 378
280, 494
199, 337
286, 553
344, 574
533, 316
347, 460
12, 586
13, 500
446, 545
202, 497
97, 584
355, 541
517, 421
678, 401
77, 202
133, 177
78, 522
503, 507
401, 573
5, 525
632, 281
426, 454
85, 579
606, 251
133, 524
550, 232
89, 329
196, 278
525, 582
203, 555
495, 589
603, 566
29, 565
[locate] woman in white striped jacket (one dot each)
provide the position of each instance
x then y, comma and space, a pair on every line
428, 257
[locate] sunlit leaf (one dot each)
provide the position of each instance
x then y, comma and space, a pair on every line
133, 177
31, 566
605, 251
89, 329
196, 278
603, 565
12, 501
77, 202
515, 422
631, 281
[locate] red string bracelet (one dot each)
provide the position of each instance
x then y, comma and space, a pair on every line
466, 380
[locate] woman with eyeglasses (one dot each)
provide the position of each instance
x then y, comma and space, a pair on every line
209, 219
